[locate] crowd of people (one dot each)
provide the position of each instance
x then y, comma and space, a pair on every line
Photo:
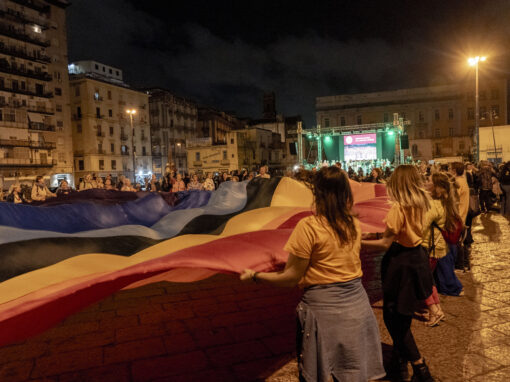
172, 181
427, 237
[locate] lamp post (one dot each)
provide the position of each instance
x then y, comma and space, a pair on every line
131, 113
473, 61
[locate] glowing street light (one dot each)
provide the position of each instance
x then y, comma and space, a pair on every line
473, 61
131, 113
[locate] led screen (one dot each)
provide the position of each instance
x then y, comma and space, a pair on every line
360, 147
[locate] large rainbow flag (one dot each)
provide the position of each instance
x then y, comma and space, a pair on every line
58, 258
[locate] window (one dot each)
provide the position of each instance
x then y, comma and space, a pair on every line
78, 128
471, 131
98, 112
100, 148
495, 109
494, 93
109, 94
461, 145
110, 113
483, 112
111, 130
421, 134
483, 94
15, 85
414, 150
77, 91
60, 124
437, 133
359, 120
23, 85
81, 165
96, 95
101, 164
450, 114
326, 122
451, 131
104, 69
59, 107
114, 164
224, 154
342, 121
112, 147
197, 156
233, 155
96, 66
134, 149
58, 91
471, 113
110, 71
438, 149
421, 118
117, 72
1, 115
436, 115
144, 151
231, 141
386, 117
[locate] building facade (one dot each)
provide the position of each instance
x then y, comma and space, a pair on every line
173, 121
204, 156
35, 118
107, 139
216, 124
441, 118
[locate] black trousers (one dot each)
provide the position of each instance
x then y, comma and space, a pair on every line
399, 327
485, 200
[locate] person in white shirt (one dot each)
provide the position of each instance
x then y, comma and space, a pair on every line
263, 173
208, 183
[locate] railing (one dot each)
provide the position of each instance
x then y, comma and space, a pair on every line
26, 92
32, 144
124, 153
39, 7
40, 126
225, 162
23, 162
40, 109
123, 137
197, 163
19, 16
100, 134
77, 117
6, 68
101, 151
20, 35
13, 51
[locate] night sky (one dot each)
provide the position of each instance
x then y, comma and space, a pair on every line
227, 53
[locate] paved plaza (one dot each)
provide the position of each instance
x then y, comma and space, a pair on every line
221, 330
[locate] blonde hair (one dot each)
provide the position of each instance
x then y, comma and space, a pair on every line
405, 187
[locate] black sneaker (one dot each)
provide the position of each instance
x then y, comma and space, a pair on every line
421, 373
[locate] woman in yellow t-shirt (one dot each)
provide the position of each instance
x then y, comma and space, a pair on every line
337, 331
405, 273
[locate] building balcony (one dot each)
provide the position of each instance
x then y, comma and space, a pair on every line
27, 92
24, 162
101, 151
225, 162
22, 36
16, 52
197, 163
100, 134
40, 110
40, 126
11, 14
77, 117
31, 144
6, 68
143, 139
123, 137
36, 5
126, 153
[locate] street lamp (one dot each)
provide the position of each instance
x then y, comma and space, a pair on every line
131, 113
473, 61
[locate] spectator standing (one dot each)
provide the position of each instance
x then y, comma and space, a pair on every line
209, 183
16, 196
194, 184
64, 188
86, 183
485, 177
40, 191
504, 179
264, 173
179, 184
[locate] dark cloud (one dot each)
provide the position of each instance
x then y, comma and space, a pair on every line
197, 55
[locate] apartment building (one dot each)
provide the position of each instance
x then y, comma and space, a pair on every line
441, 118
35, 119
173, 121
110, 123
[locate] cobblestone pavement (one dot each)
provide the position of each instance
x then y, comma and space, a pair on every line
221, 330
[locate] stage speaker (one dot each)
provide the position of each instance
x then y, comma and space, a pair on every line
404, 142
293, 148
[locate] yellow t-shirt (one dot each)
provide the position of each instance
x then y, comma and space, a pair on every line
405, 224
435, 214
330, 262
463, 196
